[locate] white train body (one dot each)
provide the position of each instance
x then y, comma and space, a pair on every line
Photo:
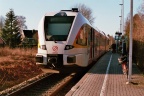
67, 38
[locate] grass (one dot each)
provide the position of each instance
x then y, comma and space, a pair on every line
17, 65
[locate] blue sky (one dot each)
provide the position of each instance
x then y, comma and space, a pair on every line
106, 12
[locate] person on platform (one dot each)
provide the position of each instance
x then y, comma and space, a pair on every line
123, 61
113, 46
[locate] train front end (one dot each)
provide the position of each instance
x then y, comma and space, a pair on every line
53, 32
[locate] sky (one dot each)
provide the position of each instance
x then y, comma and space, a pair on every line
105, 12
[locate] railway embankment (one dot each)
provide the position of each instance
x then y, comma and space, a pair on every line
16, 66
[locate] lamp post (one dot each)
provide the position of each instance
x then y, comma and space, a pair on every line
120, 23
122, 16
131, 43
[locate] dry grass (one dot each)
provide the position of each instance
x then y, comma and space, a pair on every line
17, 65
17, 51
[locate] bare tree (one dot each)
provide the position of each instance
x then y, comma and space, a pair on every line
2, 20
21, 22
87, 12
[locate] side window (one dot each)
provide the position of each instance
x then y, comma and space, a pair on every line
82, 36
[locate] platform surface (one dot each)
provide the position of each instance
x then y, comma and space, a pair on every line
105, 78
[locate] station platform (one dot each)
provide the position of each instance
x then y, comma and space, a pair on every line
106, 78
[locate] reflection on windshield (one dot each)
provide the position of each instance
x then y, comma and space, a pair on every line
57, 28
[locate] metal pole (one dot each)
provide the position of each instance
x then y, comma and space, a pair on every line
130, 44
122, 17
122, 20
122, 24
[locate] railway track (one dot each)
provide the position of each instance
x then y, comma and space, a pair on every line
48, 86
24, 85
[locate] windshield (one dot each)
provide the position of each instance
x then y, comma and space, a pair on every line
57, 27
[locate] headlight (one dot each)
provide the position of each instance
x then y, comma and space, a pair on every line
68, 47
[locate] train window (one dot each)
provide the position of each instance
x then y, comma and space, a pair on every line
82, 36
57, 27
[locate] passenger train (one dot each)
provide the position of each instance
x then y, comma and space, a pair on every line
67, 38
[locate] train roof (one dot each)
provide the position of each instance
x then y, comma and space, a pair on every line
72, 12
